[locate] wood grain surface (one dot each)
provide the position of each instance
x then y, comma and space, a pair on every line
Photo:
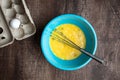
23, 60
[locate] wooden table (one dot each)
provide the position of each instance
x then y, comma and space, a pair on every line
23, 60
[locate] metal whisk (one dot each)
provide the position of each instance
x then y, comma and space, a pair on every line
59, 36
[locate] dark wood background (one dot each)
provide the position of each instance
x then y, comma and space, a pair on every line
23, 60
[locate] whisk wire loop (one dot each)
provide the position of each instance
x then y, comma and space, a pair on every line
59, 36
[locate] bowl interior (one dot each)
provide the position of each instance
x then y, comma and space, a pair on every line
91, 42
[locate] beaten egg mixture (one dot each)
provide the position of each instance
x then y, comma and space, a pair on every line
63, 51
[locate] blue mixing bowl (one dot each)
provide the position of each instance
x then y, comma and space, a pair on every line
91, 42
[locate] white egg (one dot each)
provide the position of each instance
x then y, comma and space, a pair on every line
15, 23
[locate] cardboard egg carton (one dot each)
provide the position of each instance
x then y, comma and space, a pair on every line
15, 9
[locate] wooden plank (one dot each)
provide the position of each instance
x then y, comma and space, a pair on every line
23, 60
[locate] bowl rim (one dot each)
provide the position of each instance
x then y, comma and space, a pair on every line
95, 37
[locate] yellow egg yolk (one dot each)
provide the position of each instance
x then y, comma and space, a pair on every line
63, 51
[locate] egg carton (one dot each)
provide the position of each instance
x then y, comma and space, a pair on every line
15, 21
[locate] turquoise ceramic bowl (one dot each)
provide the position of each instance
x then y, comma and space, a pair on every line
91, 42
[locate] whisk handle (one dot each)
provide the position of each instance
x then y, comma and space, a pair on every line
92, 56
